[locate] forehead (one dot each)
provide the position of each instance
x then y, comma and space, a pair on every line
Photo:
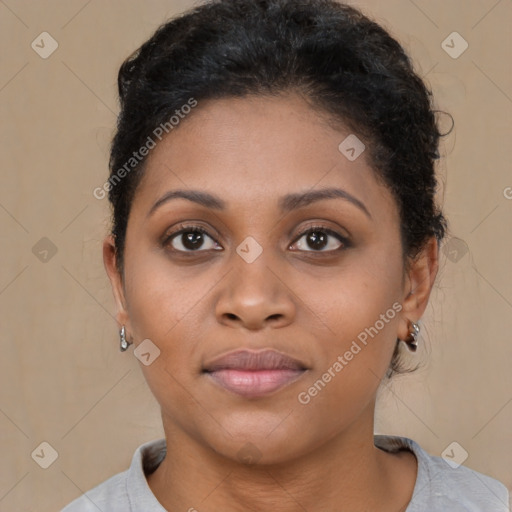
255, 149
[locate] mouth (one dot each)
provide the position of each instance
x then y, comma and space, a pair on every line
254, 374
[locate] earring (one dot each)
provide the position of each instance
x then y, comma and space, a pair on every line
412, 339
122, 335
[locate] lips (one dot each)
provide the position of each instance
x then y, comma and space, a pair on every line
254, 361
254, 374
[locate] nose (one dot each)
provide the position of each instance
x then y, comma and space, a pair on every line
254, 296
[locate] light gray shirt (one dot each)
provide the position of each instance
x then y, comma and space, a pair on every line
439, 486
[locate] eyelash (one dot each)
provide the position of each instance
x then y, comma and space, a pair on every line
194, 228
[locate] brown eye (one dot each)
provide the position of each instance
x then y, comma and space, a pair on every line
320, 239
191, 239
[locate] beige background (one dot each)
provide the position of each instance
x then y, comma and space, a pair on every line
63, 379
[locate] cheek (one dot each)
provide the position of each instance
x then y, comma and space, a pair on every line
163, 305
160, 296
352, 297
359, 311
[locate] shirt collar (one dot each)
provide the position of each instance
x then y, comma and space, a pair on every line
145, 460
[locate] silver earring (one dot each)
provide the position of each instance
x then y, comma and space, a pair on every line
412, 339
122, 335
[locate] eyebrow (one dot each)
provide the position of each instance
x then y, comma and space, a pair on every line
286, 204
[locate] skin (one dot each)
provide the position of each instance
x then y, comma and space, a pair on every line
293, 298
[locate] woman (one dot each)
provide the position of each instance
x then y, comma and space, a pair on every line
275, 236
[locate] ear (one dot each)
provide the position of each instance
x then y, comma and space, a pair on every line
419, 281
116, 280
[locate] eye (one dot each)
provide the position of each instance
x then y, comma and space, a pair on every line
195, 238
321, 239
191, 239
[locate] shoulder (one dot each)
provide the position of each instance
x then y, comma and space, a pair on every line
443, 485
110, 495
127, 490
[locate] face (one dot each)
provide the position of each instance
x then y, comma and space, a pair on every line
277, 264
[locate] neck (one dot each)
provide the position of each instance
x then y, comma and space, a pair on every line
345, 473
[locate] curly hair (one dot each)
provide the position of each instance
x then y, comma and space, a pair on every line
341, 62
